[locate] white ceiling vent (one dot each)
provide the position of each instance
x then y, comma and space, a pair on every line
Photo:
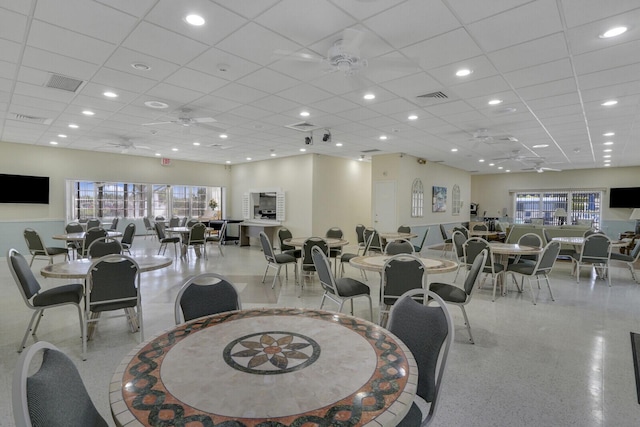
373, 150
32, 119
69, 84
304, 127
434, 95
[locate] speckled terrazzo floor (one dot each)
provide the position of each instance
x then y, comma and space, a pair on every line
558, 363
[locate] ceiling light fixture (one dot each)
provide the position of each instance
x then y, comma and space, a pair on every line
606, 156
158, 154
613, 32
224, 136
609, 103
508, 170
273, 154
495, 102
492, 164
608, 134
88, 113
608, 143
53, 142
454, 150
303, 149
304, 113
338, 144
248, 158
463, 72
195, 20
228, 162
361, 158
196, 143
110, 94
73, 126
369, 96
383, 137
174, 149
412, 117
481, 160
500, 167
62, 135
140, 66
156, 104
540, 146
608, 150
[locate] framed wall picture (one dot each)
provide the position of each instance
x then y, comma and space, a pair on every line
439, 203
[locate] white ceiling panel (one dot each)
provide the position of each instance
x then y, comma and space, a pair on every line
256, 44
437, 51
531, 53
12, 26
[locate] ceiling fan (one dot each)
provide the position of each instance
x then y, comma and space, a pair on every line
517, 157
126, 144
185, 120
344, 55
540, 169
482, 135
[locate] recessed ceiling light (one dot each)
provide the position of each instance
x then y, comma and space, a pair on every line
140, 66
88, 113
73, 126
495, 102
156, 104
304, 113
608, 143
228, 161
195, 20
500, 167
383, 137
248, 158
607, 164
508, 170
608, 134
492, 164
609, 103
174, 149
196, 143
273, 154
615, 31
303, 149
607, 160
110, 94
53, 142
369, 96
412, 117
338, 144
62, 135
454, 149
540, 146
361, 158
158, 154
463, 72
606, 156
481, 160
224, 136
608, 150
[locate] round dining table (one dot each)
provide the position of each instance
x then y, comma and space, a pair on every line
396, 235
376, 263
266, 367
78, 237
78, 268
332, 242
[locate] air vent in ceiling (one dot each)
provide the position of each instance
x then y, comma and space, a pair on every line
437, 161
303, 127
32, 119
436, 95
373, 150
69, 84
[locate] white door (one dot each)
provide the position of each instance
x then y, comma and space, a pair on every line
384, 206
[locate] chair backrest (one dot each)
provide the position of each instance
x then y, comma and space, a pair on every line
159, 230
400, 246
197, 233
537, 221
129, 232
334, 233
22, 275
548, 258
192, 222
147, 223
530, 239
284, 234
323, 268
443, 232
596, 246
428, 332
547, 236
480, 227
183, 221
159, 218
33, 240
592, 231
424, 238
267, 248
462, 229
372, 241
474, 271
91, 235
473, 247
54, 395
307, 260
203, 295
93, 222
400, 274
222, 232
635, 253
458, 239
360, 234
174, 221
104, 246
404, 229
114, 223
112, 283
73, 227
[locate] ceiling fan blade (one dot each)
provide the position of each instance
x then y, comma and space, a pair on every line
203, 119
296, 56
352, 40
158, 123
213, 128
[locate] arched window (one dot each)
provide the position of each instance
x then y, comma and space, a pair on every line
417, 198
455, 200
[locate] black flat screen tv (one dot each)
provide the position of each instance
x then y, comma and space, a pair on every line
624, 197
24, 189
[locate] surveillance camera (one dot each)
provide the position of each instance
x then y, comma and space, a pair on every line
327, 136
308, 140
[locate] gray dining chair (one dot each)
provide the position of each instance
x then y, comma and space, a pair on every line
538, 271
596, 251
203, 295
400, 273
37, 247
275, 260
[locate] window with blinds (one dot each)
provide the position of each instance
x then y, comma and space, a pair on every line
549, 207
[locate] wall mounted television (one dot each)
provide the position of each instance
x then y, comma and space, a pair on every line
624, 197
24, 189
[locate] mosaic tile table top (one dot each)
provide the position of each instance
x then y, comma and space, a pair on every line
376, 263
267, 367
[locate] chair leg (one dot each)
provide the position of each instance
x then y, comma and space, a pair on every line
533, 295
265, 273
549, 286
276, 277
633, 271
370, 308
466, 322
26, 333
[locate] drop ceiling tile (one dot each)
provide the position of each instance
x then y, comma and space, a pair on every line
239, 93
483, 87
275, 104
216, 103
527, 22
300, 20
412, 86
542, 90
99, 21
604, 59
12, 26
11, 51
136, 8
472, 10
426, 19
448, 108
7, 70
55, 63
436, 52
64, 42
120, 80
539, 74
624, 74
97, 104
531, 53
579, 12
256, 44
480, 66
195, 80
265, 77
304, 94
156, 41
250, 112
220, 22
586, 37
122, 60
43, 92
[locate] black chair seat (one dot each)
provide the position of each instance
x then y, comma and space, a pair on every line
334, 253
522, 268
53, 251
448, 292
622, 257
296, 253
60, 295
576, 256
284, 258
349, 287
497, 267
413, 417
348, 257
171, 240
